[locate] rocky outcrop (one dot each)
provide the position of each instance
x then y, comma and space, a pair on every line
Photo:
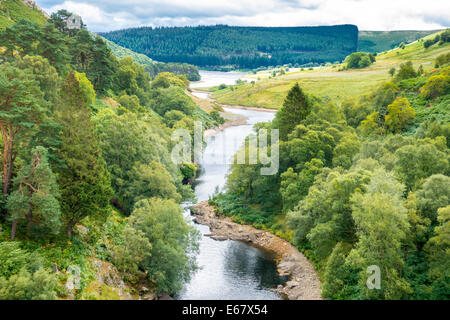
108, 279
304, 282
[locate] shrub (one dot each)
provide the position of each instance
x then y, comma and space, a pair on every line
22, 276
436, 86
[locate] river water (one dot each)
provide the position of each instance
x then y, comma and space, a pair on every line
230, 270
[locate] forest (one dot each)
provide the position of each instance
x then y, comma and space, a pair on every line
361, 183
153, 67
240, 47
86, 171
88, 186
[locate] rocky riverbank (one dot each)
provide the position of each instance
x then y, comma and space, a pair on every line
304, 282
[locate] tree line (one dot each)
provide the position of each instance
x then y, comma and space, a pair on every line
85, 142
361, 184
241, 47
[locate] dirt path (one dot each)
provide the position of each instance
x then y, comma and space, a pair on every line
304, 282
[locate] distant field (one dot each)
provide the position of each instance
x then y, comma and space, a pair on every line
327, 81
378, 41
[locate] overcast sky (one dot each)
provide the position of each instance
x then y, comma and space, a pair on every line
106, 15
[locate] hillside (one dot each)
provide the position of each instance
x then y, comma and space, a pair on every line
240, 47
328, 81
378, 41
86, 136
13, 10
154, 67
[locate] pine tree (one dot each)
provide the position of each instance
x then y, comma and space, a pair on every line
53, 46
20, 112
85, 182
295, 108
35, 198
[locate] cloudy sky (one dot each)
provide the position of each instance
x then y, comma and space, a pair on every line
105, 15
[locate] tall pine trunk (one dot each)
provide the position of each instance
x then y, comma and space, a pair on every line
13, 229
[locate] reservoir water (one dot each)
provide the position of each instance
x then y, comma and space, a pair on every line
216, 78
229, 269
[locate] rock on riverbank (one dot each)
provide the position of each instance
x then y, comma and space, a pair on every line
304, 282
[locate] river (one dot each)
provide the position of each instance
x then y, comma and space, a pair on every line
229, 269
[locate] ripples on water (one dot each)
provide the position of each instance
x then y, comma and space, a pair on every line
229, 269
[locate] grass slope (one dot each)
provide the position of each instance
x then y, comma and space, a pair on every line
13, 10
121, 52
328, 81
378, 41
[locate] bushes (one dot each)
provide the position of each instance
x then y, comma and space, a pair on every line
171, 260
358, 60
406, 71
441, 38
399, 115
442, 60
22, 276
437, 85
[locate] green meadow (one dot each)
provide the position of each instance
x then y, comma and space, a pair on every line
267, 91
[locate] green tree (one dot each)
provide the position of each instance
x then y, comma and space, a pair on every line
438, 251
128, 143
405, 71
132, 103
442, 60
294, 187
22, 110
324, 216
306, 144
420, 71
150, 180
371, 126
20, 38
173, 98
167, 79
133, 251
295, 108
434, 194
22, 276
382, 226
392, 71
171, 117
35, 198
358, 60
87, 89
436, 86
345, 151
419, 161
340, 279
45, 74
399, 114
174, 243
53, 46
84, 182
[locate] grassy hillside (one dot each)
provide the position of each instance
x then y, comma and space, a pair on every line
121, 52
327, 81
14, 10
378, 41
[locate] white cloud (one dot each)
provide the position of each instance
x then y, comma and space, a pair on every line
104, 15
